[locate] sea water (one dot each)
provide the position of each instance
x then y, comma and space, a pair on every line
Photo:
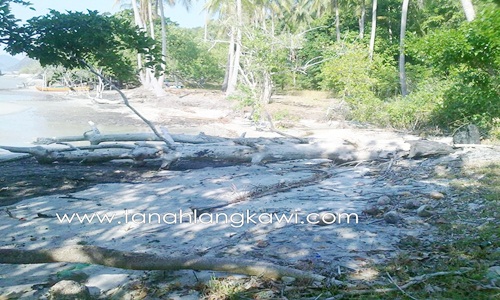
27, 114
19, 123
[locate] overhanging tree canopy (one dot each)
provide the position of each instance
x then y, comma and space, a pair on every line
8, 22
69, 38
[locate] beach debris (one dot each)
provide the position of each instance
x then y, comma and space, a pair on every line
69, 290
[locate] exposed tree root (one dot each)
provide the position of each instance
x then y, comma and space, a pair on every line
142, 261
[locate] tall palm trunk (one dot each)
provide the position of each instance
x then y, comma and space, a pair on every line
205, 27
233, 78
470, 14
337, 19
362, 20
230, 61
138, 21
163, 38
147, 76
150, 18
374, 29
402, 70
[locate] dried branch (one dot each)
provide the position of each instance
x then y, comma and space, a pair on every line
127, 103
412, 281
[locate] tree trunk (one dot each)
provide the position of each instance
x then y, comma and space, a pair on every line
470, 14
337, 19
402, 70
98, 138
239, 152
192, 149
163, 38
264, 24
207, 20
374, 29
230, 60
150, 17
147, 76
272, 25
267, 88
138, 22
389, 26
233, 78
100, 86
362, 20
143, 261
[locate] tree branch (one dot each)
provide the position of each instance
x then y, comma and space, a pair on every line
412, 281
142, 261
127, 103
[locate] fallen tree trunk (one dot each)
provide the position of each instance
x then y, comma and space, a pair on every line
143, 261
229, 153
88, 154
13, 157
96, 139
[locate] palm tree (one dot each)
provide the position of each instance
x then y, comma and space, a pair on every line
145, 12
321, 6
470, 14
374, 29
402, 70
337, 19
232, 11
362, 17
297, 13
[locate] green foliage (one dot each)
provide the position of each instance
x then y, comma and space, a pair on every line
363, 84
495, 129
8, 23
415, 111
243, 96
312, 52
67, 38
470, 56
264, 62
189, 58
348, 72
281, 115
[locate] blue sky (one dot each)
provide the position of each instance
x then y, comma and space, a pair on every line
194, 18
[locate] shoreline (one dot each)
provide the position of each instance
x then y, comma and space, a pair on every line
30, 190
12, 108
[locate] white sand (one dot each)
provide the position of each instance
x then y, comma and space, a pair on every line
347, 246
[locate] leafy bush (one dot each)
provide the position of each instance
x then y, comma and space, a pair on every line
416, 110
189, 58
349, 73
495, 130
362, 83
470, 57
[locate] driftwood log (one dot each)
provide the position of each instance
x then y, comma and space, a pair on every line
97, 138
142, 261
189, 148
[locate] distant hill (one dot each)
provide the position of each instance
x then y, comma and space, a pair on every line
7, 62
25, 62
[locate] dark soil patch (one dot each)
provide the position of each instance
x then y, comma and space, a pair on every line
27, 178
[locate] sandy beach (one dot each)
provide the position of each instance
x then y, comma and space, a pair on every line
136, 196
